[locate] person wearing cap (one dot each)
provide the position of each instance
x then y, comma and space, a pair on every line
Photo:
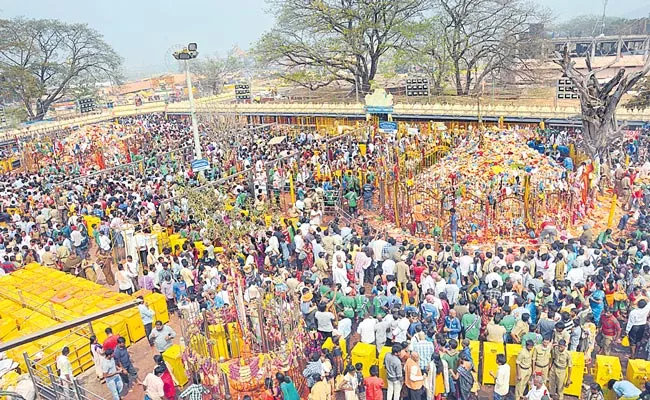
542, 358
560, 371
524, 365
538, 390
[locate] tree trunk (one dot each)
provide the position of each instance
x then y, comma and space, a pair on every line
459, 83
41, 110
468, 81
596, 138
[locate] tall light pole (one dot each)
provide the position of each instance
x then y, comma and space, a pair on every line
186, 55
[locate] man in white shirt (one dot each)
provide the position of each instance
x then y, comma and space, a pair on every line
493, 276
465, 263
538, 390
76, 237
576, 275
388, 267
133, 270
366, 329
377, 248
64, 366
153, 384
636, 323
501, 378
401, 328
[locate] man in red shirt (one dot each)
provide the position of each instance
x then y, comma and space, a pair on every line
111, 340
374, 384
611, 330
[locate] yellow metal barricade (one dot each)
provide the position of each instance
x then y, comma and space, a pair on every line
366, 354
512, 351
490, 351
380, 360
607, 367
638, 372
172, 357
577, 374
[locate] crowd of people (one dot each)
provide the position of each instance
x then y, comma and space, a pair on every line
425, 300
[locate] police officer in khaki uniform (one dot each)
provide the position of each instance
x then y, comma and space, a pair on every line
524, 368
542, 358
560, 368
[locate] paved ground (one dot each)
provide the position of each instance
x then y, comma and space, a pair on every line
142, 357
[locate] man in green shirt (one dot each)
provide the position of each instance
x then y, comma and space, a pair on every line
536, 338
361, 303
508, 321
325, 290
352, 202
379, 304
471, 323
346, 304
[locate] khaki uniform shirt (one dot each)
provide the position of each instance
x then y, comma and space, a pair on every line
495, 332
525, 358
520, 329
542, 356
561, 359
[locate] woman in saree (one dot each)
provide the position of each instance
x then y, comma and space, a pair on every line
597, 302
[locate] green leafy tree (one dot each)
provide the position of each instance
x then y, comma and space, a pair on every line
424, 50
42, 61
317, 42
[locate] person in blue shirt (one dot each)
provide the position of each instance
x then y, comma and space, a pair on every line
452, 325
410, 308
429, 309
393, 299
568, 163
624, 389
467, 351
532, 310
180, 289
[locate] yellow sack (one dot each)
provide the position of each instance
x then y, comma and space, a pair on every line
625, 342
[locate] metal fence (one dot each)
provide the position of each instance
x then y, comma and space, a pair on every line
50, 386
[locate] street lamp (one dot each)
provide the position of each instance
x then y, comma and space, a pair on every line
187, 54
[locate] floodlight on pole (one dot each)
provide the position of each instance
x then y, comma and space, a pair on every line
189, 53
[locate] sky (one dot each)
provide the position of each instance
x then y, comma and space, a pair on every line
144, 31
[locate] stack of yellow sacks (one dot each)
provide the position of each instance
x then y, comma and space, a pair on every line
36, 298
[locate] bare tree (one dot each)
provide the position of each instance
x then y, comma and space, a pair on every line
598, 101
486, 37
214, 70
42, 60
317, 42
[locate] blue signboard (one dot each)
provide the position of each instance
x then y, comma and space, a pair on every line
200, 165
379, 109
387, 126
